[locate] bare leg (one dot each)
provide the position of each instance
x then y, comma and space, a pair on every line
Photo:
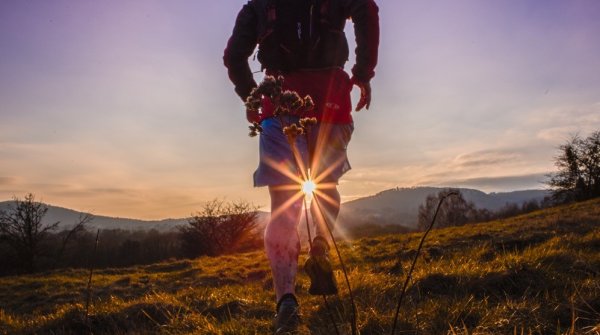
325, 209
282, 243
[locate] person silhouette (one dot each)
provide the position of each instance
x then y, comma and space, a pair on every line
303, 42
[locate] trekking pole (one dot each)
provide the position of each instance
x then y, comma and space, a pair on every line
327, 306
307, 224
412, 267
339, 254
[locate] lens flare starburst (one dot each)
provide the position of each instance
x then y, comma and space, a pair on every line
309, 187
310, 175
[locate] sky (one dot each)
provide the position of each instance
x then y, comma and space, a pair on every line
124, 108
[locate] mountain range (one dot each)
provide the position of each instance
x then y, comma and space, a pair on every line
401, 205
394, 206
68, 217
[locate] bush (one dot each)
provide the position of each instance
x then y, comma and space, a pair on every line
220, 228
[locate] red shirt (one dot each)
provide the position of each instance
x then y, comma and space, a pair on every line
329, 89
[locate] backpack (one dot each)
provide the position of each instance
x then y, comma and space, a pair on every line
301, 34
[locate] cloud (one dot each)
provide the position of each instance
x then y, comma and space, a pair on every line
63, 190
488, 170
146, 202
560, 123
502, 183
484, 158
482, 163
143, 202
555, 133
7, 181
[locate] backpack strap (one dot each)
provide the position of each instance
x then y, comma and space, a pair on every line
271, 19
324, 11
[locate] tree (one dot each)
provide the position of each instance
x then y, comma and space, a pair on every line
22, 229
578, 176
220, 228
455, 211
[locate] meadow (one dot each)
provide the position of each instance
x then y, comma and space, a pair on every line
537, 273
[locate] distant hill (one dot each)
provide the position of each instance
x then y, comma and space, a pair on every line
396, 206
401, 205
69, 217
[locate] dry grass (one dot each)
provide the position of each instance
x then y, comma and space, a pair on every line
534, 274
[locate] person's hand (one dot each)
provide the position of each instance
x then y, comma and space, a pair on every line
252, 115
365, 94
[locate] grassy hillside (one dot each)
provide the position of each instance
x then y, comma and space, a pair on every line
534, 274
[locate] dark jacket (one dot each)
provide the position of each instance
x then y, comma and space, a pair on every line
253, 27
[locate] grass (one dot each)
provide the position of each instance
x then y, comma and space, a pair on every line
534, 274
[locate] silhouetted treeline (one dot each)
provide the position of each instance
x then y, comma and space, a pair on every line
124, 248
457, 211
116, 248
27, 245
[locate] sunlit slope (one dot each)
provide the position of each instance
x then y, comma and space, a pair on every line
538, 273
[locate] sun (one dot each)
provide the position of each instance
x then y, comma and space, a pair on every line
308, 187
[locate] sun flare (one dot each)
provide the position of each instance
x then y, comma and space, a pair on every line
308, 187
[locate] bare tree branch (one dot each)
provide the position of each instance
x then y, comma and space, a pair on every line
78, 228
22, 228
